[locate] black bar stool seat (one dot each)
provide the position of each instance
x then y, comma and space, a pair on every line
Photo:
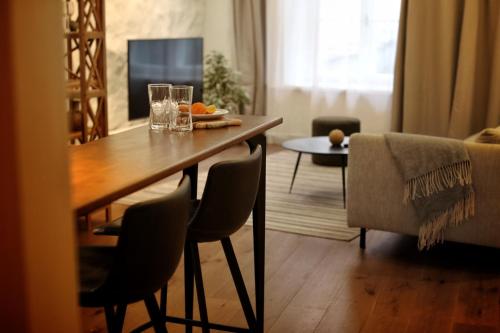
150, 244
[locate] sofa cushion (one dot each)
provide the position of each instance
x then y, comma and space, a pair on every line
473, 137
489, 135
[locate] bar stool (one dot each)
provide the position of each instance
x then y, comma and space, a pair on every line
234, 183
149, 248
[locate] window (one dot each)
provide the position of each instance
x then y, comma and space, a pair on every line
337, 43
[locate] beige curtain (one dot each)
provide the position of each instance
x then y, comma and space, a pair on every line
249, 27
447, 75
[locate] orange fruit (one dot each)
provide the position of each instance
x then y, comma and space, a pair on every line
211, 109
183, 107
198, 108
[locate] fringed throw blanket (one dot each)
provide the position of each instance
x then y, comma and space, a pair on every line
438, 178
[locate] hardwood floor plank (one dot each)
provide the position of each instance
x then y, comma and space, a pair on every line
297, 320
434, 307
390, 324
346, 316
429, 323
292, 275
478, 302
467, 328
325, 281
397, 298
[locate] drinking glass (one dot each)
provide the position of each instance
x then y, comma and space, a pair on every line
180, 120
159, 105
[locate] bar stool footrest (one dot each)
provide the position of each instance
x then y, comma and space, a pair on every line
192, 322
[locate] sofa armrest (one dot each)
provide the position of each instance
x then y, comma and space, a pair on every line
375, 188
375, 192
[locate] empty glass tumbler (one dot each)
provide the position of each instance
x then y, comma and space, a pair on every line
159, 105
180, 120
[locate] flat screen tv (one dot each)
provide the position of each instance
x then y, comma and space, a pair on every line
176, 61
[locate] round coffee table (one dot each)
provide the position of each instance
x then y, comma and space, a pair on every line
318, 145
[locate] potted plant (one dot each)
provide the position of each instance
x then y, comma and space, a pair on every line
221, 84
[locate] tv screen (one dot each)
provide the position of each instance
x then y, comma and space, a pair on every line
176, 61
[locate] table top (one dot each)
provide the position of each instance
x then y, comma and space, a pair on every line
107, 169
317, 145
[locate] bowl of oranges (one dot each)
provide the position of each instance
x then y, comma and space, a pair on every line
200, 111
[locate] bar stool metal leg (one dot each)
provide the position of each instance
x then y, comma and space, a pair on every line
163, 300
200, 291
239, 283
188, 285
155, 314
121, 309
114, 319
110, 318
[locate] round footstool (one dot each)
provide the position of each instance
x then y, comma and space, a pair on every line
321, 126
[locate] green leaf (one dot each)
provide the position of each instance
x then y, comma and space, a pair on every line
221, 84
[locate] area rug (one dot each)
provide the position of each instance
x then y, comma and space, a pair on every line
314, 208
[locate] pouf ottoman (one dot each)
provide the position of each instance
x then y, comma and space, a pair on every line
321, 126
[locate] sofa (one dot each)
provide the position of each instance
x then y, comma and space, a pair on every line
375, 193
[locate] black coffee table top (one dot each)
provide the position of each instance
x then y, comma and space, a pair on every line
317, 145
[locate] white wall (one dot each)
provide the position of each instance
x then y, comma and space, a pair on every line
143, 19
218, 32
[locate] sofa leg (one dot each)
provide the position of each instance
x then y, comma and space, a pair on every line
362, 238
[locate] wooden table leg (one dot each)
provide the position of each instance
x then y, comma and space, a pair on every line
259, 234
295, 171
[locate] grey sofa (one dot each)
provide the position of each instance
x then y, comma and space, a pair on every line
375, 192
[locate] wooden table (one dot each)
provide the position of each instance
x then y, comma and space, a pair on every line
105, 170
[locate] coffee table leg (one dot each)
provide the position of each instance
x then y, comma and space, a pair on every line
295, 172
343, 177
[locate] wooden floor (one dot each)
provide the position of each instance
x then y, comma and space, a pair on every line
321, 285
